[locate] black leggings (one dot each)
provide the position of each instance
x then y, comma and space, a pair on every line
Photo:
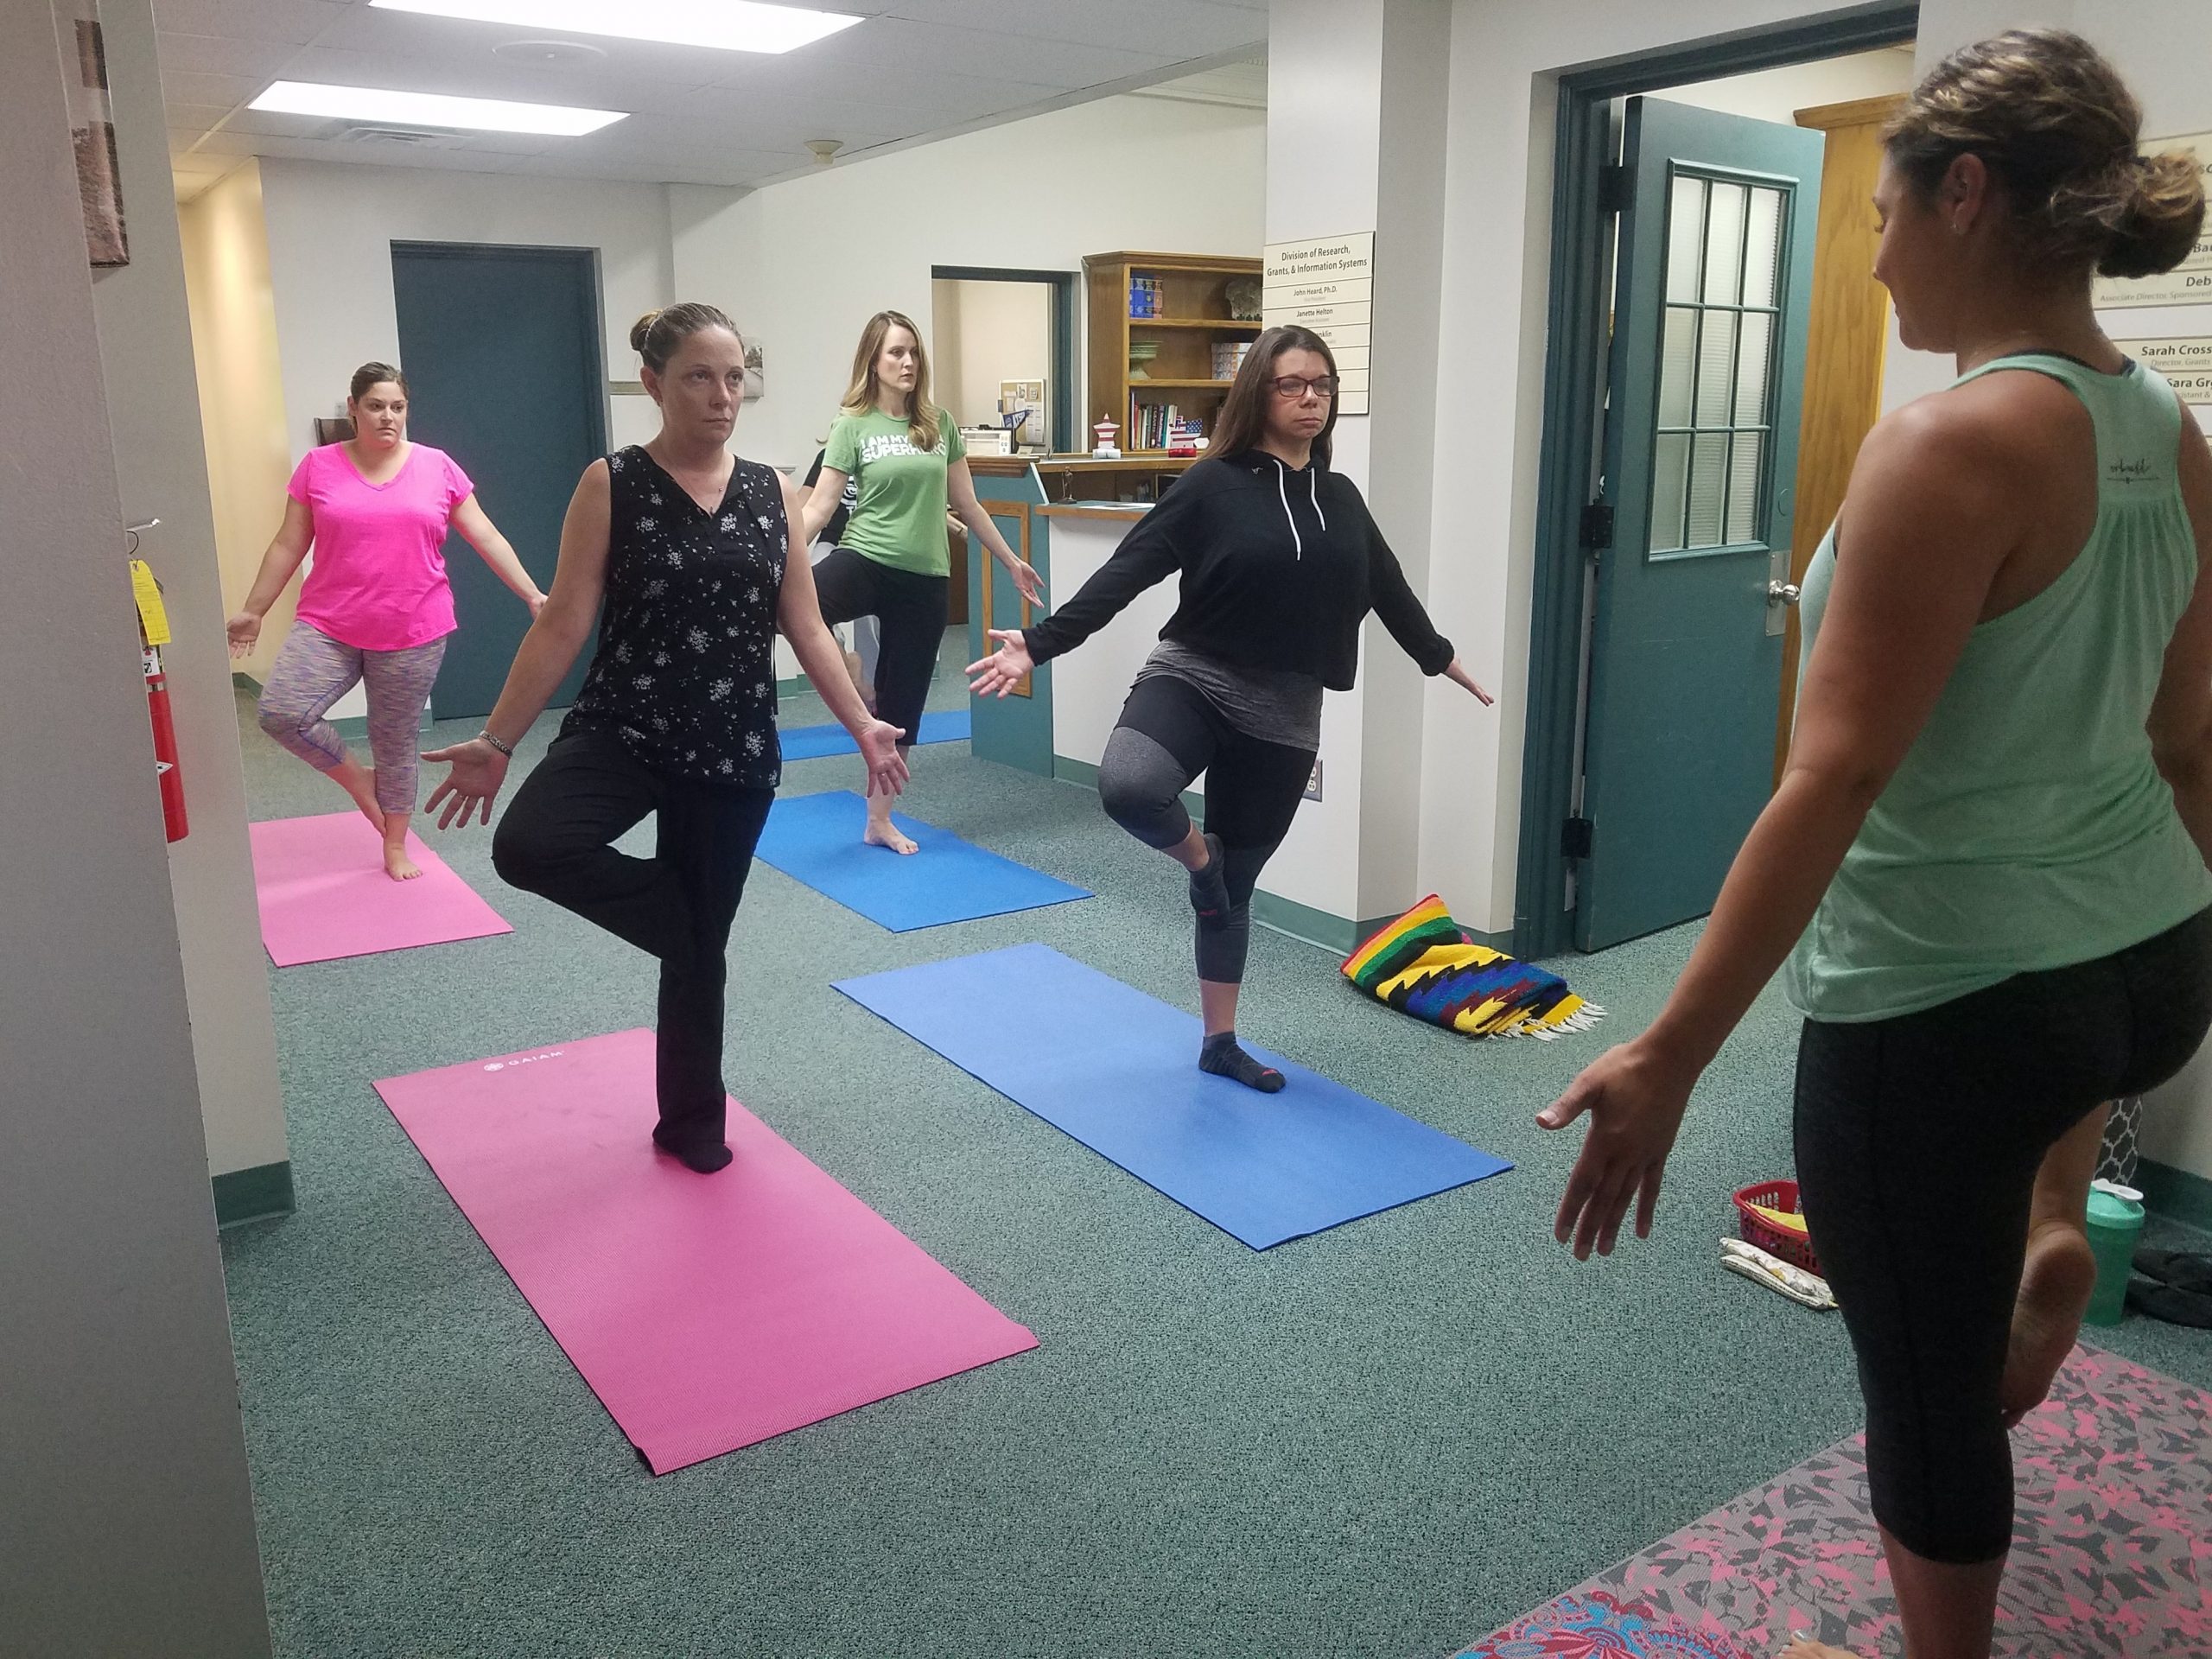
554, 840
909, 609
1168, 733
1918, 1143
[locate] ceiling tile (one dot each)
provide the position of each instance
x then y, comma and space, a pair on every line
297, 21
211, 55
225, 90
1178, 28
931, 48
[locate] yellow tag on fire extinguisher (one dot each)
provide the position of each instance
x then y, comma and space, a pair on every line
152, 615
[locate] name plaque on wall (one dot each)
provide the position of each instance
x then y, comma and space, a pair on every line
2185, 361
2189, 282
1326, 284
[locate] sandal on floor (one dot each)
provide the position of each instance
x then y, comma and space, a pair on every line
2170, 1303
2179, 1268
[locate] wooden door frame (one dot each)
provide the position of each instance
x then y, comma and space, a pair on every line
1843, 380
1576, 330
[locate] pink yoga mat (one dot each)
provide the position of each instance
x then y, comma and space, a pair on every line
324, 893
707, 1311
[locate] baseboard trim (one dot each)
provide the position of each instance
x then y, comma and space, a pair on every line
245, 683
2176, 1193
255, 1194
793, 686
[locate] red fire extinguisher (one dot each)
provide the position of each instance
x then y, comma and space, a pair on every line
171, 780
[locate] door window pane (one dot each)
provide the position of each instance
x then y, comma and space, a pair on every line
1685, 226
1761, 246
1724, 245
1716, 358
1754, 352
1708, 478
1677, 365
1748, 450
1669, 481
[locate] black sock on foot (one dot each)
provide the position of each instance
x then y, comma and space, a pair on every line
705, 1160
1220, 1055
1210, 889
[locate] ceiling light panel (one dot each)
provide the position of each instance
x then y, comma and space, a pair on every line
726, 25
430, 109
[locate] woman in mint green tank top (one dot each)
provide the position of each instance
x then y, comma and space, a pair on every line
1984, 873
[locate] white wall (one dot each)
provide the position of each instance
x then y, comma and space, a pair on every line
241, 388
1778, 94
803, 263
145, 342
127, 1525
985, 332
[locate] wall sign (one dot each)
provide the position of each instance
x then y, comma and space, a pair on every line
1327, 284
2186, 361
2189, 282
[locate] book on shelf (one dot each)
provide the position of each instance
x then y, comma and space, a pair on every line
1229, 357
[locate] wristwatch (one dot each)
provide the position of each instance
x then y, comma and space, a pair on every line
506, 749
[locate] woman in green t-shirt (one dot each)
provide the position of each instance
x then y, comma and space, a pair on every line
906, 455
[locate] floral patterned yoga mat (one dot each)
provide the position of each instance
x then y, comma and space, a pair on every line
2112, 1548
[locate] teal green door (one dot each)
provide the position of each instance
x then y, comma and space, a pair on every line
1015, 730
1713, 282
501, 346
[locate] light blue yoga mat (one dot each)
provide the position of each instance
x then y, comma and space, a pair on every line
817, 839
1118, 1070
812, 742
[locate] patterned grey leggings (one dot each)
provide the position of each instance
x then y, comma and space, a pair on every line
314, 670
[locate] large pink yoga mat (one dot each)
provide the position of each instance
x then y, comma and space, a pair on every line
707, 1311
324, 893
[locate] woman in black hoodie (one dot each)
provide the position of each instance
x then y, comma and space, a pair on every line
1281, 563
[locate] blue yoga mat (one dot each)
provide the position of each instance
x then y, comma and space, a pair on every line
817, 839
1118, 1070
812, 742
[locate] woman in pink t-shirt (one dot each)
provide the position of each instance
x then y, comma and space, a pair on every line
376, 607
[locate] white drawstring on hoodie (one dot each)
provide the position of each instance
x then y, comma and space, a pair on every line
1313, 491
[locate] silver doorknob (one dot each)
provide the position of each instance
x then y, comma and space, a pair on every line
1783, 593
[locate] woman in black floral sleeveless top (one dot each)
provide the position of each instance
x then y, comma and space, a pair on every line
691, 551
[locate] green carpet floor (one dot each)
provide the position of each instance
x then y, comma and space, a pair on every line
1383, 1440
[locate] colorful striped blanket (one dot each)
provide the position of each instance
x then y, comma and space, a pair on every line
1424, 964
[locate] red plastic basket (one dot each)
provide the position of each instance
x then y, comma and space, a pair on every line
1756, 1229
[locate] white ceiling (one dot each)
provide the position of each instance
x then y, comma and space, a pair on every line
915, 69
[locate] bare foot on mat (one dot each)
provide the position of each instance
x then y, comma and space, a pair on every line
887, 835
399, 866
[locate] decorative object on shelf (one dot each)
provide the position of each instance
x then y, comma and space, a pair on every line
1242, 293
1142, 353
1105, 433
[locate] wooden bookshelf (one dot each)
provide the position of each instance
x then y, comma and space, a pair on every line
1194, 317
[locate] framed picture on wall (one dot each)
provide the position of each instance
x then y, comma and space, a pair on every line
332, 428
92, 131
756, 380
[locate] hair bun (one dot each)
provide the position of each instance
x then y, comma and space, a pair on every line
2158, 220
641, 328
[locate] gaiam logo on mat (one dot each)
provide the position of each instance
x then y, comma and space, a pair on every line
527, 1059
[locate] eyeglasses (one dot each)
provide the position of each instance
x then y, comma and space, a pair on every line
1290, 386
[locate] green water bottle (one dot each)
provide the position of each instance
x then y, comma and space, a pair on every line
2115, 1225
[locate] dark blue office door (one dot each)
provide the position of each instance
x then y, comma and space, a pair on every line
501, 349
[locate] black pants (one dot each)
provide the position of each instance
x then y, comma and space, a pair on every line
1918, 1143
909, 609
1168, 733
554, 840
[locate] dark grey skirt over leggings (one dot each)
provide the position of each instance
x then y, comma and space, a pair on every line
1918, 1143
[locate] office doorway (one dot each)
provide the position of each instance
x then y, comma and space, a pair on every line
1716, 350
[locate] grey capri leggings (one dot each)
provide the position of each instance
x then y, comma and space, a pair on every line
1918, 1141
1169, 732
314, 670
